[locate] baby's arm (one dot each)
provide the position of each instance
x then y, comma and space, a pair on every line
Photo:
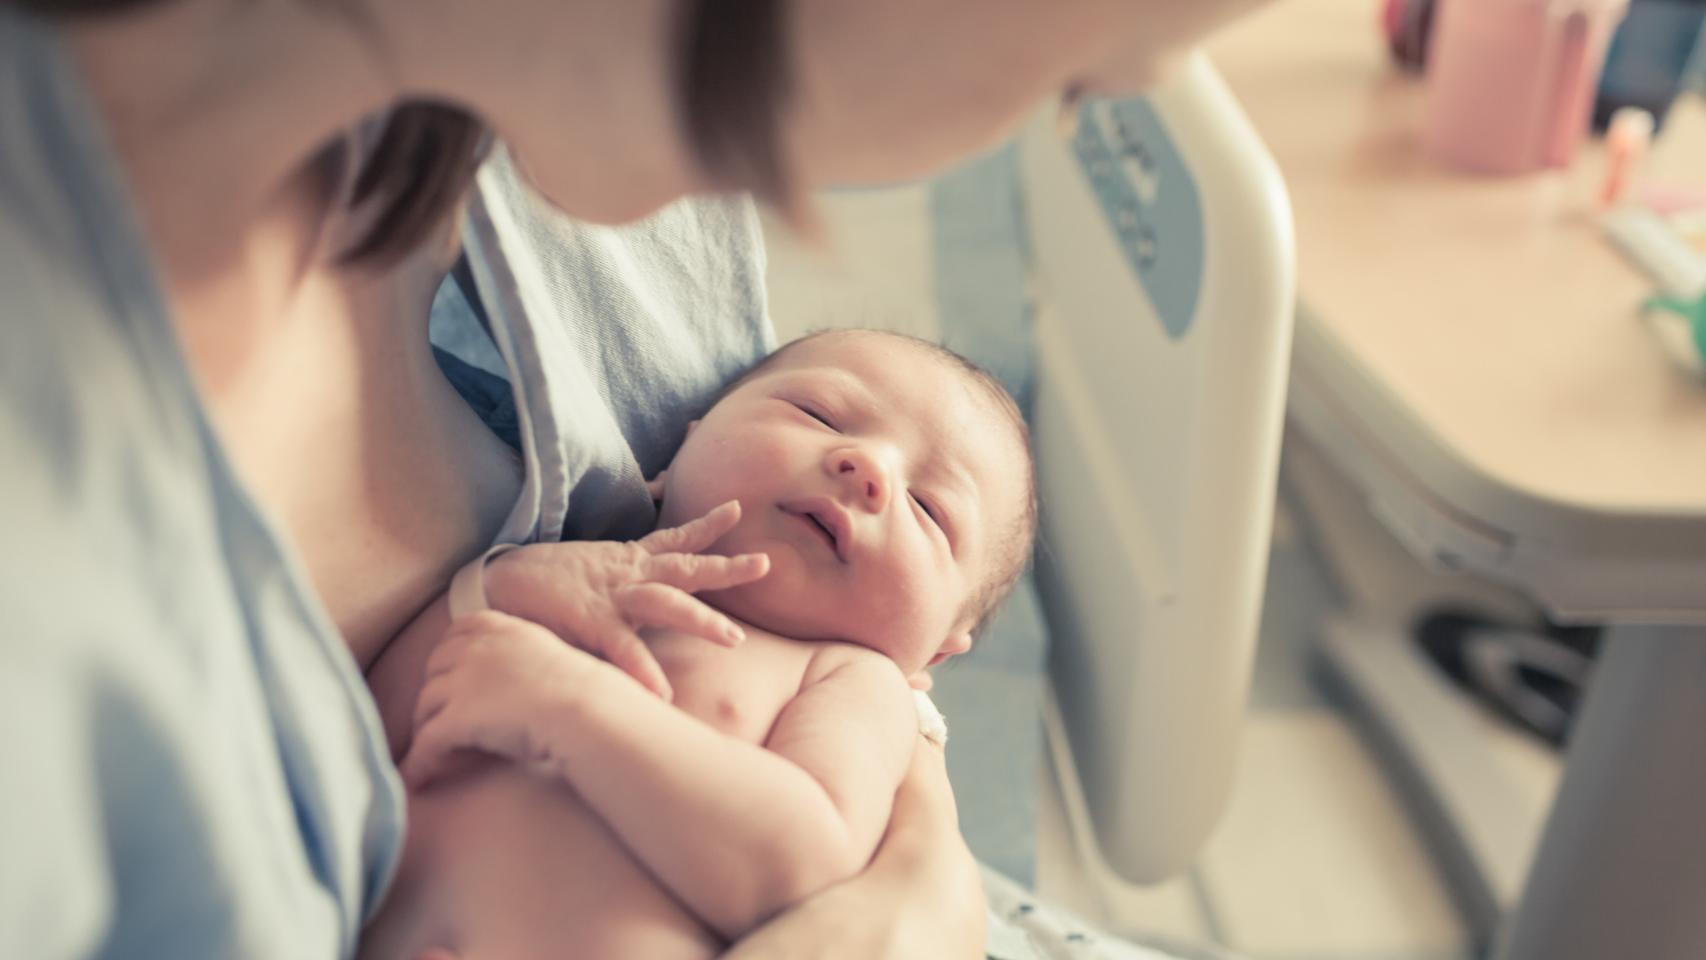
736, 831
852, 730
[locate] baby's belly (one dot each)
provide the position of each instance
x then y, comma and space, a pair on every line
500, 863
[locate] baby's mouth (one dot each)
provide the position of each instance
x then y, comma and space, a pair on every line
823, 523
827, 531
819, 523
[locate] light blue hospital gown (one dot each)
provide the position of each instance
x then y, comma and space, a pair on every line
190, 765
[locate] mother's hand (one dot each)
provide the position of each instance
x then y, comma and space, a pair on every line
920, 897
597, 595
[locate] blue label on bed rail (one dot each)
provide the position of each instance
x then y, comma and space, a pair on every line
1150, 200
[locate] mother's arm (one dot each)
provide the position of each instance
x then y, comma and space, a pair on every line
920, 897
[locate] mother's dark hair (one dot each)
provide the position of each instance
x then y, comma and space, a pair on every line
731, 85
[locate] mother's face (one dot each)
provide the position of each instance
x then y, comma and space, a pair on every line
893, 89
877, 90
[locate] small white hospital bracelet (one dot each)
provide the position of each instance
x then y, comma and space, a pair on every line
931, 723
468, 587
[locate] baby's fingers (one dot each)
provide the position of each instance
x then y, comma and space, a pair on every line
429, 753
628, 653
695, 572
694, 535
660, 605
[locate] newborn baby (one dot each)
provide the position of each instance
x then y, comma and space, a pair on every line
664, 797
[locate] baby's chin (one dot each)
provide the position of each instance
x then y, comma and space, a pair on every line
770, 605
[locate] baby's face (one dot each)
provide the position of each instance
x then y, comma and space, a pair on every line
886, 486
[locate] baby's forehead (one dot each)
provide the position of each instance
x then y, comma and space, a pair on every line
978, 429
846, 349
900, 374
896, 366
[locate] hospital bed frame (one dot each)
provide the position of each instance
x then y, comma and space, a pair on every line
1162, 257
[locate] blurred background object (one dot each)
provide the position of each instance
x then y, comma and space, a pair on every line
1655, 55
1510, 82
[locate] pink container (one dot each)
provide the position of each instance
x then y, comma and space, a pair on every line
1511, 82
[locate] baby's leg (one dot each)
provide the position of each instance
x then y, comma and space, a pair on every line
504, 866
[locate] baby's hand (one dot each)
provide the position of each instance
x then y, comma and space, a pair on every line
490, 686
597, 595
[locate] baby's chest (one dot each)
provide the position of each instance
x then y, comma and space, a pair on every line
738, 691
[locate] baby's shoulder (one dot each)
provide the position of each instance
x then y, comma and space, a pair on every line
833, 657
849, 683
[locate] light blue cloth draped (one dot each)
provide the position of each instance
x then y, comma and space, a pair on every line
613, 338
190, 765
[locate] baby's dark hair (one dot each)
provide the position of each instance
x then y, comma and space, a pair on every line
986, 601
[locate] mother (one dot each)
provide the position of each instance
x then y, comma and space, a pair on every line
225, 460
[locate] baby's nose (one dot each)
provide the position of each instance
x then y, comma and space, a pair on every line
863, 476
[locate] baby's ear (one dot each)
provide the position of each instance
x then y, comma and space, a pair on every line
957, 644
655, 485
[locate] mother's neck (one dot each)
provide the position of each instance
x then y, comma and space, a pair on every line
215, 106
214, 110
